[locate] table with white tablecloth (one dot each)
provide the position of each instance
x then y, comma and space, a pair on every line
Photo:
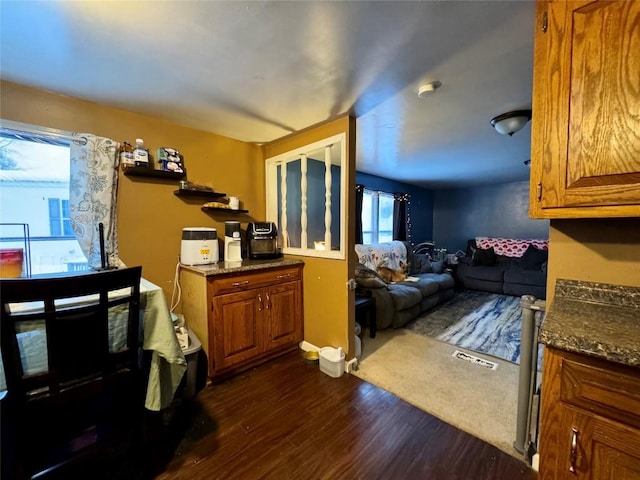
168, 363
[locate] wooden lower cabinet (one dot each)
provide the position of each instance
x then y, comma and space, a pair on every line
590, 421
237, 331
251, 323
246, 318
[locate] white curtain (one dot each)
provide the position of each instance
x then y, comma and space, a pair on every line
93, 190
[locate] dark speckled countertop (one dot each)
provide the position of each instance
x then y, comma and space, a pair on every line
596, 319
222, 268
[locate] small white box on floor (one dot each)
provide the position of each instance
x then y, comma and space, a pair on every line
332, 361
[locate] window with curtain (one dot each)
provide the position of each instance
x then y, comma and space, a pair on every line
34, 190
377, 217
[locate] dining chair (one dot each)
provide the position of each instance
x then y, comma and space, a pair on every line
71, 348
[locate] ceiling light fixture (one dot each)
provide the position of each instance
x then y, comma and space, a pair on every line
428, 88
510, 122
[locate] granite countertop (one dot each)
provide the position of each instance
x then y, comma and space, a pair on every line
246, 265
596, 319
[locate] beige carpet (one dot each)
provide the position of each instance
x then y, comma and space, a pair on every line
421, 371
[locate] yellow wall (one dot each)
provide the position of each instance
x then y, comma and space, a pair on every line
594, 250
328, 305
150, 216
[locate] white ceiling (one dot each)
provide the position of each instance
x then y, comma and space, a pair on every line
259, 70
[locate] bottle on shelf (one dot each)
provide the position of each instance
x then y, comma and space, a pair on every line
140, 154
126, 155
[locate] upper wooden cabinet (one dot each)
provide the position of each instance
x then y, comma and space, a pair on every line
585, 145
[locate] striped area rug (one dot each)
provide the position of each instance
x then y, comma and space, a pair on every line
483, 322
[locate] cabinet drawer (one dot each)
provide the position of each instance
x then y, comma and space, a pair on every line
237, 283
610, 392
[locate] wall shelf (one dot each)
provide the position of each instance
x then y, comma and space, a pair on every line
153, 173
185, 192
228, 210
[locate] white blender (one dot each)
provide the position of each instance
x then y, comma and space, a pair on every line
232, 243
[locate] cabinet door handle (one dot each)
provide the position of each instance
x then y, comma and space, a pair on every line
240, 284
574, 450
260, 303
539, 192
286, 275
268, 302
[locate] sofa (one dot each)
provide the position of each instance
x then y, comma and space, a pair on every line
428, 285
508, 266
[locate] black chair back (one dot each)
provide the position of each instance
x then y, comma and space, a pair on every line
89, 344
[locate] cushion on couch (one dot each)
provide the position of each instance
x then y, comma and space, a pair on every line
525, 277
426, 284
484, 257
421, 263
403, 296
533, 258
365, 277
493, 273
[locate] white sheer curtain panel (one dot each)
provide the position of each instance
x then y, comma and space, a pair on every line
93, 190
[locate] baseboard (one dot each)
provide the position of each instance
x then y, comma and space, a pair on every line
308, 347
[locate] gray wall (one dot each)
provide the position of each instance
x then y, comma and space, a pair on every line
491, 211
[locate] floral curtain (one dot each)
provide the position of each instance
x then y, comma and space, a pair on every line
93, 189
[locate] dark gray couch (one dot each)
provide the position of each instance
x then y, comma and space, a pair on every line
401, 302
509, 276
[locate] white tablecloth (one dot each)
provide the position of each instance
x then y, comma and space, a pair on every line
168, 363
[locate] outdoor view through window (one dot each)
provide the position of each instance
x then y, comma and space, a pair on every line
34, 204
377, 217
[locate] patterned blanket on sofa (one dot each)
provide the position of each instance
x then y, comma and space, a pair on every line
388, 254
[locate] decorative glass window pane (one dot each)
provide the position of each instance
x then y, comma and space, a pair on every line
304, 198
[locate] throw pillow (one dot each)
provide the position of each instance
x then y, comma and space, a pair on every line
533, 258
367, 278
438, 267
421, 263
484, 257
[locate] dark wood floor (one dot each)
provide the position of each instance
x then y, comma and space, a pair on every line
287, 420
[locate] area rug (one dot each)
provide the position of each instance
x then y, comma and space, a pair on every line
423, 372
483, 322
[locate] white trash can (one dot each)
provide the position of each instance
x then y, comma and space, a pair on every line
332, 361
